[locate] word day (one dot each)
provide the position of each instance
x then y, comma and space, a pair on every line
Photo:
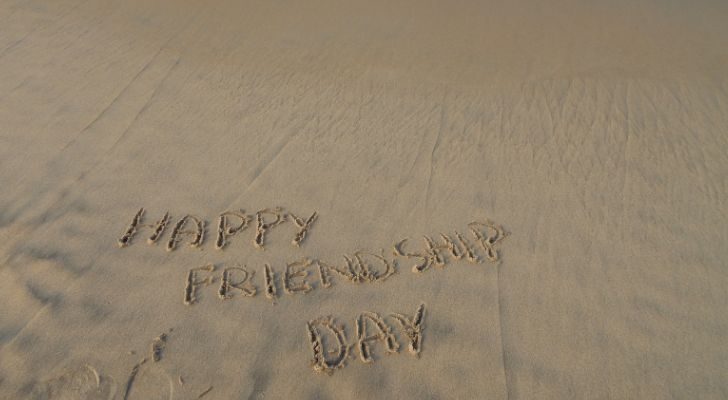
331, 348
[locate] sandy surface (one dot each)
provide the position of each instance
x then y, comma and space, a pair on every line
594, 133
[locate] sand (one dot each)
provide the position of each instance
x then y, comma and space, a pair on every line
587, 141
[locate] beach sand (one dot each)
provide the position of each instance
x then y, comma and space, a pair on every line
578, 148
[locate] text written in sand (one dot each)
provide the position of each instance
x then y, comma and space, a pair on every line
330, 346
309, 273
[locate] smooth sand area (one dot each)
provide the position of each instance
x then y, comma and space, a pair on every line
559, 168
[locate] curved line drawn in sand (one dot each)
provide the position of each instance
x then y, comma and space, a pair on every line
154, 381
204, 393
81, 383
225, 230
322, 347
132, 376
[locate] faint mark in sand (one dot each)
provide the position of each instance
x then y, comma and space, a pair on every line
203, 394
81, 383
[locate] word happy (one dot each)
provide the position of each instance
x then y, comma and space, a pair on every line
229, 224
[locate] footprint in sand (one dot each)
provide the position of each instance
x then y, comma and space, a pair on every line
81, 383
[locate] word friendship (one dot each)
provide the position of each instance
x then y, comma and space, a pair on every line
307, 274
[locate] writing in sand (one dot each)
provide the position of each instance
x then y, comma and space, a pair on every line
328, 340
